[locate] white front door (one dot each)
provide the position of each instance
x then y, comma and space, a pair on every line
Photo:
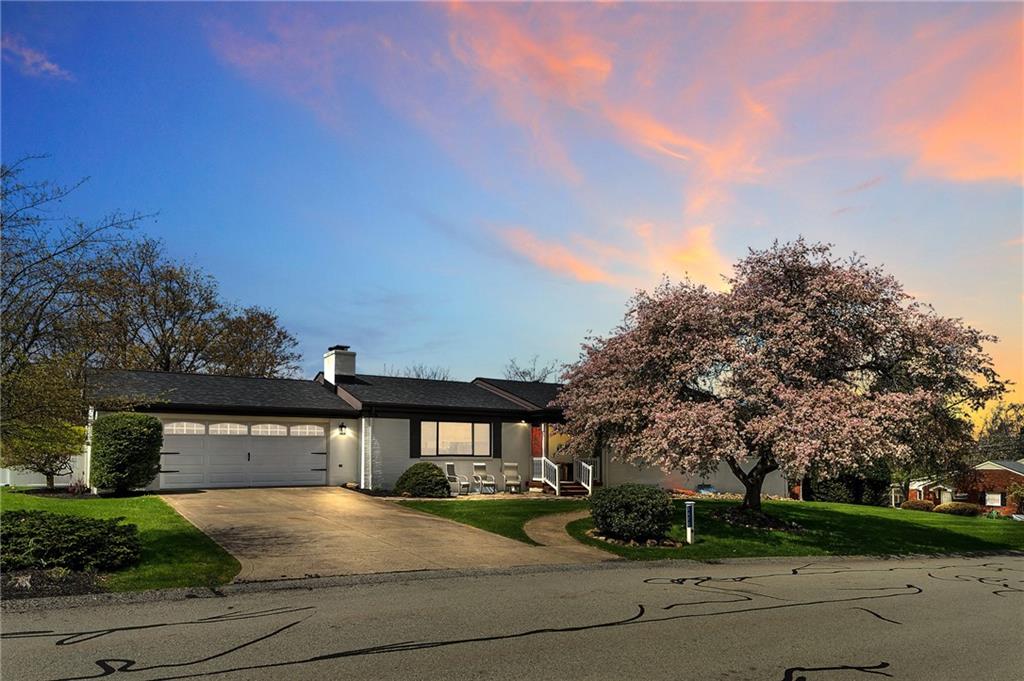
200, 461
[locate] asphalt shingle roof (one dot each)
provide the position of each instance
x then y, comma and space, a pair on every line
237, 394
536, 393
396, 391
1015, 466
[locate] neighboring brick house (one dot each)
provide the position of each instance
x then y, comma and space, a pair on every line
988, 486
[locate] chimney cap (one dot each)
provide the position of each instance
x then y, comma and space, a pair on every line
338, 347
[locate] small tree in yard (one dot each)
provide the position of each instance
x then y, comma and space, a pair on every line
125, 451
806, 363
46, 448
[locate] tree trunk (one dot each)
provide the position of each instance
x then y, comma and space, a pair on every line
49, 481
752, 481
752, 496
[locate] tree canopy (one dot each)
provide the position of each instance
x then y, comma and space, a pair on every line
77, 294
806, 362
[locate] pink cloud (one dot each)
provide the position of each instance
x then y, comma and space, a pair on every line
554, 257
30, 61
715, 97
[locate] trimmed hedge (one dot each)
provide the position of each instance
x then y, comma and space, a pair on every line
125, 451
44, 540
632, 512
917, 505
423, 479
958, 508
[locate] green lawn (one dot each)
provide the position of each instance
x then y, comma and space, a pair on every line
174, 552
500, 516
830, 529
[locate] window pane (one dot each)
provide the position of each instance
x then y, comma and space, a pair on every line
228, 429
184, 428
455, 439
269, 429
428, 438
993, 499
482, 439
307, 431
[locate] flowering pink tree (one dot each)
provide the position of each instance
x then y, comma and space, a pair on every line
806, 363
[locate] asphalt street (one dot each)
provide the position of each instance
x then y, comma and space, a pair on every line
783, 620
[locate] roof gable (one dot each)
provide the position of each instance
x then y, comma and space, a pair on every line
532, 393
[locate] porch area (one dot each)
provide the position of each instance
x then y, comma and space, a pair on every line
560, 475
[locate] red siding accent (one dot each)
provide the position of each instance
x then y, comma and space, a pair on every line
536, 442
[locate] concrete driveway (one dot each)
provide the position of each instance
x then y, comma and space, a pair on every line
280, 533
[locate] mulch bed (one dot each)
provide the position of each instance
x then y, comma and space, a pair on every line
57, 493
37, 583
653, 543
738, 517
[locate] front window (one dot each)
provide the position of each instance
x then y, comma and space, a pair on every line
993, 498
449, 438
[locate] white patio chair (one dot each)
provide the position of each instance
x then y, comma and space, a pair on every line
458, 483
482, 479
513, 481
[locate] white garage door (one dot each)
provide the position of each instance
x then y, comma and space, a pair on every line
198, 454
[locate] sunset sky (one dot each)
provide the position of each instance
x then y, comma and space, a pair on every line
457, 184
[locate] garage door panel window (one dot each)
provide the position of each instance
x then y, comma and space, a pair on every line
307, 430
448, 438
269, 430
184, 428
229, 429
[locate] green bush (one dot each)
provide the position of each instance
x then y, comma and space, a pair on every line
958, 508
632, 512
917, 505
423, 479
44, 540
125, 451
869, 490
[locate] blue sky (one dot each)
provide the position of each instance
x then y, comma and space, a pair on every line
457, 185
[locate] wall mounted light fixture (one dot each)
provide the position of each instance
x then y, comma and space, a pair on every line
342, 429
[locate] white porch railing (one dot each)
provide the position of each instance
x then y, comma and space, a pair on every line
538, 468
584, 474
549, 473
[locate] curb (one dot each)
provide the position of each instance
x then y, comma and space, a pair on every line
23, 605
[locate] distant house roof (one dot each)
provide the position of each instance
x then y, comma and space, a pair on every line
396, 392
539, 395
169, 391
1009, 464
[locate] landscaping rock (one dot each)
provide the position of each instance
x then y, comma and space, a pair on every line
55, 582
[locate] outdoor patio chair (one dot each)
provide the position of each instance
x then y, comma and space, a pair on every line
513, 481
458, 483
482, 479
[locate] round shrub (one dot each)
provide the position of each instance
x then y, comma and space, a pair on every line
125, 451
44, 540
917, 505
423, 479
958, 508
632, 512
